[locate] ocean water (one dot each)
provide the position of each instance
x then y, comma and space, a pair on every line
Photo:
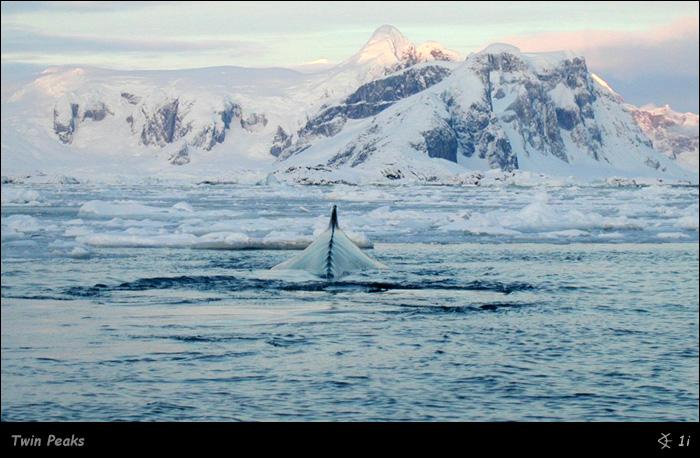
156, 302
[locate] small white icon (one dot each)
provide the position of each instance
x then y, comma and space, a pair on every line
664, 441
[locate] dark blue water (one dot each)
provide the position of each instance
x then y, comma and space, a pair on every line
463, 329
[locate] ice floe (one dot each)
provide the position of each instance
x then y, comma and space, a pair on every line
19, 196
280, 217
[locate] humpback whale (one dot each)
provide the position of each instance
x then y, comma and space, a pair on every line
332, 255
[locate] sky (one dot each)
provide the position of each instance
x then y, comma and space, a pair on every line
647, 51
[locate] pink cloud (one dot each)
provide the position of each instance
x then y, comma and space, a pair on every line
672, 47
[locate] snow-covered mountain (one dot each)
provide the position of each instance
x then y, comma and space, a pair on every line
674, 134
500, 109
394, 111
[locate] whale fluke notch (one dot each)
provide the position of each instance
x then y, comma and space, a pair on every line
332, 255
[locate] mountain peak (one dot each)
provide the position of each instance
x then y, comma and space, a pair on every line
500, 48
387, 31
387, 46
389, 49
432, 50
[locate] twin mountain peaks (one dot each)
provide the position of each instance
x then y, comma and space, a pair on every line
394, 111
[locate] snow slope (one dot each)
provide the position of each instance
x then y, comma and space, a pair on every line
392, 111
500, 109
674, 134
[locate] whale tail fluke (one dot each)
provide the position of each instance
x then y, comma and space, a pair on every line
331, 255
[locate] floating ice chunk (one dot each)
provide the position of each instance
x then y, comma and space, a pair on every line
536, 217
119, 223
62, 244
20, 243
21, 223
355, 194
672, 235
360, 239
491, 230
396, 219
271, 180
76, 231
688, 222
79, 252
611, 235
19, 196
118, 208
275, 240
183, 206
222, 241
568, 233
288, 240
9, 235
138, 241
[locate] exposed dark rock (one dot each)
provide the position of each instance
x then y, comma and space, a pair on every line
441, 142
535, 114
664, 129
501, 155
368, 100
253, 120
358, 151
652, 163
216, 133
231, 112
397, 87
181, 156
96, 113
281, 141
477, 131
566, 118
312, 175
438, 54
209, 137
65, 131
131, 98
536, 120
164, 125
392, 173
407, 59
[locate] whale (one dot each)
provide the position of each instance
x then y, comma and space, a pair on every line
332, 255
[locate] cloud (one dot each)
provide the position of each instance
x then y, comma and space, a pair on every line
671, 48
659, 64
622, 41
26, 40
19, 7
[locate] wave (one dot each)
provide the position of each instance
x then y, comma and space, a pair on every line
233, 283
